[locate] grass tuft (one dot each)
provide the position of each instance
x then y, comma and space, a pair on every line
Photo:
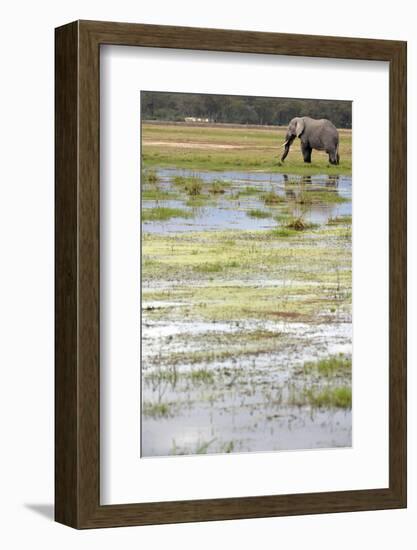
192, 185
150, 176
339, 220
299, 224
202, 376
215, 267
340, 397
331, 366
156, 409
156, 194
319, 197
202, 447
282, 232
161, 213
196, 201
179, 180
218, 187
258, 214
272, 198
248, 190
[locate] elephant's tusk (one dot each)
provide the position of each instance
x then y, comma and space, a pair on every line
284, 144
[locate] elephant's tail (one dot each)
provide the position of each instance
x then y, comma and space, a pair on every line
337, 154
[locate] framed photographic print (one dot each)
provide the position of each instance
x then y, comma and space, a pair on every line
230, 274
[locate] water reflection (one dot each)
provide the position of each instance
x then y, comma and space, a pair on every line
245, 193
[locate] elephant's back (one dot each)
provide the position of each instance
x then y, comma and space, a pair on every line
323, 123
323, 135
327, 129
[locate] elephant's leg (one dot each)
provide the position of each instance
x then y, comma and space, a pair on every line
306, 150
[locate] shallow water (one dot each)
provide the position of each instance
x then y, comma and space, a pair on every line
245, 404
158, 336
224, 430
227, 212
237, 385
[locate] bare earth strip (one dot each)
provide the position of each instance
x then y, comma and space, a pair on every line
195, 145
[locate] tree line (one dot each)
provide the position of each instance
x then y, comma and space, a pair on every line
241, 109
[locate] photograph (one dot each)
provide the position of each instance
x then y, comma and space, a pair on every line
246, 274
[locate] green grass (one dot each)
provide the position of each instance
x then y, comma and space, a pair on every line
172, 376
162, 214
331, 366
339, 397
156, 409
218, 186
299, 224
319, 197
258, 214
209, 282
259, 152
157, 194
192, 185
203, 447
209, 268
149, 176
202, 376
283, 232
228, 447
216, 267
340, 220
272, 198
198, 201
248, 191
162, 375
179, 180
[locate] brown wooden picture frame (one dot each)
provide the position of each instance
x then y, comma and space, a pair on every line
77, 370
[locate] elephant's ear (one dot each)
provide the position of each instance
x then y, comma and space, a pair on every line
299, 128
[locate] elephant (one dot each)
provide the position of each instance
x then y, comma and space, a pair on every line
314, 134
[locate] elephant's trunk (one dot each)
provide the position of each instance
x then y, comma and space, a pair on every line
287, 145
285, 153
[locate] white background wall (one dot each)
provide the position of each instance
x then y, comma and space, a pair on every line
26, 276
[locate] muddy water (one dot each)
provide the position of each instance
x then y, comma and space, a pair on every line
239, 385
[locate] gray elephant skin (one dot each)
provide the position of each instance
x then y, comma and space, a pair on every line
314, 134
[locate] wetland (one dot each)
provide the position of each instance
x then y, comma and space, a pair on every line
246, 287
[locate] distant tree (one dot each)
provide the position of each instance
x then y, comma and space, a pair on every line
242, 109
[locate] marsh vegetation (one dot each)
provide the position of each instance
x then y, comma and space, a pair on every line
246, 295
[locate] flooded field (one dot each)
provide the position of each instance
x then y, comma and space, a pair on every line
246, 311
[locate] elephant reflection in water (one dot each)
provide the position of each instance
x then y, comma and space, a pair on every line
289, 187
294, 187
332, 180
